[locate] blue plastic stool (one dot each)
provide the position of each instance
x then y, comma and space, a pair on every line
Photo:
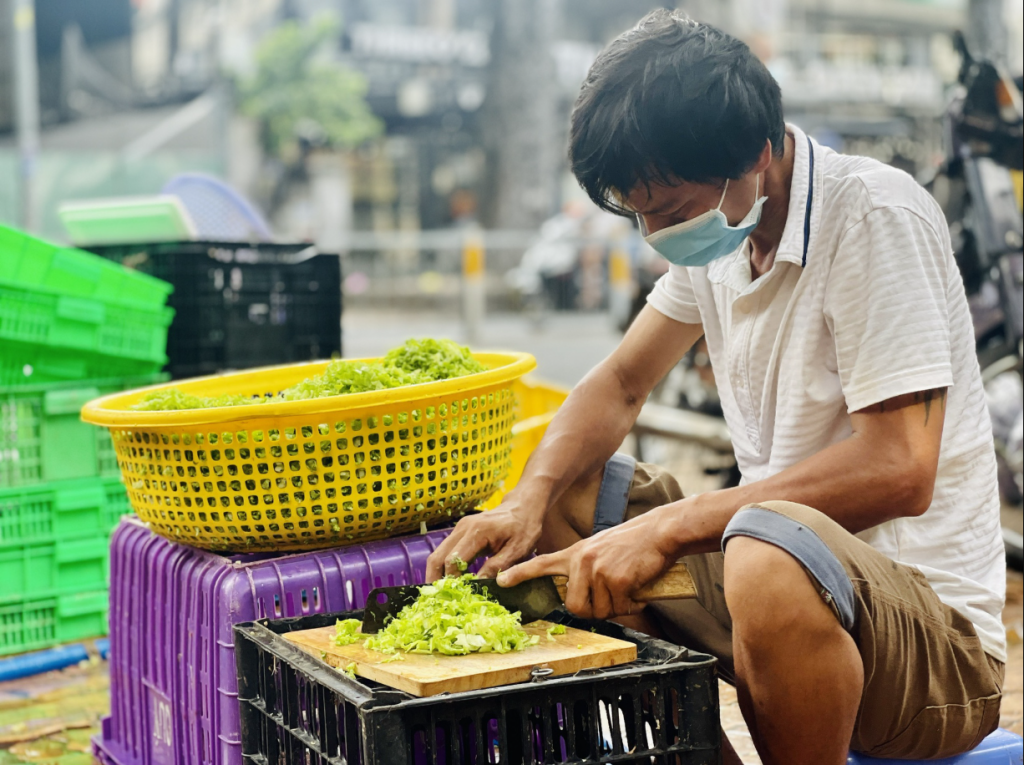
999, 748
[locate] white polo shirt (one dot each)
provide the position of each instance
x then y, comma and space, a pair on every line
863, 303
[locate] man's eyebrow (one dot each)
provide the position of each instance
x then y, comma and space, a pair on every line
670, 206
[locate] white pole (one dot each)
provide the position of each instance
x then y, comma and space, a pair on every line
473, 287
26, 106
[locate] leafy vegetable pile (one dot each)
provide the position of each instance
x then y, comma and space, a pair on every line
448, 618
415, 362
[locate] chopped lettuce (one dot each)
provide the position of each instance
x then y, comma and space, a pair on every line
555, 629
448, 618
452, 619
415, 362
169, 399
347, 632
433, 359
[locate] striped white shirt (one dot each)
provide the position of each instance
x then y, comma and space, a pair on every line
863, 303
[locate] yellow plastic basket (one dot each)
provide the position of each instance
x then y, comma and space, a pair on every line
318, 473
536, 403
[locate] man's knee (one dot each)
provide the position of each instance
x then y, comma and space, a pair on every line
765, 587
774, 546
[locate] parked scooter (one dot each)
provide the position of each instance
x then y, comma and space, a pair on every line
983, 145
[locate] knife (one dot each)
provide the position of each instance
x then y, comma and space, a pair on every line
533, 599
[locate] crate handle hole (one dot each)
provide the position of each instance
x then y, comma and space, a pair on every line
382, 598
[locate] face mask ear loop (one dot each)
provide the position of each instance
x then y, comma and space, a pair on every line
722, 200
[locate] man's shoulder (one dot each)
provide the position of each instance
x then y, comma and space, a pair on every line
853, 187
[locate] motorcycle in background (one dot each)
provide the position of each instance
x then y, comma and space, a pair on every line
975, 186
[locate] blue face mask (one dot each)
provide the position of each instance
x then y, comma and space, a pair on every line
698, 241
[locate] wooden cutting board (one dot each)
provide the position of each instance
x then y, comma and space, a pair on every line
429, 675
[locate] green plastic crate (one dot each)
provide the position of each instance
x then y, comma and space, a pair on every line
64, 321
26, 625
62, 566
43, 439
30, 263
85, 508
24, 364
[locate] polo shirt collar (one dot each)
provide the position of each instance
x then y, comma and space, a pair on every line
804, 205
801, 219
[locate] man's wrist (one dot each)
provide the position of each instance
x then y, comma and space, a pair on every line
531, 498
695, 524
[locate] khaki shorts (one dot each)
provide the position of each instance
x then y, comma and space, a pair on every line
929, 689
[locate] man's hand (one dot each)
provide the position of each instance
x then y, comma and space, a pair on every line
605, 570
508, 534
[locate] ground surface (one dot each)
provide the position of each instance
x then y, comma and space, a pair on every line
48, 720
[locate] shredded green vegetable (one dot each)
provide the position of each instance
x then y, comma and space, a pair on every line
459, 563
415, 362
451, 619
555, 629
448, 618
350, 670
346, 632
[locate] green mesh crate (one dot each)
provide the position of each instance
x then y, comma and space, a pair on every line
34, 264
25, 364
84, 508
62, 566
64, 321
32, 623
42, 438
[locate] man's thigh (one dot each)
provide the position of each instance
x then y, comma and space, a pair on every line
929, 688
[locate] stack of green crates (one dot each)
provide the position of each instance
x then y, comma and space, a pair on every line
72, 327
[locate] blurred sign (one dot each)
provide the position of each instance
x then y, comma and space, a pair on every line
468, 47
831, 82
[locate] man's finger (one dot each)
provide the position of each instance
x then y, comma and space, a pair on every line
503, 560
542, 565
578, 592
439, 558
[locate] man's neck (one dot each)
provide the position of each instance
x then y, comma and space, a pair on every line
778, 179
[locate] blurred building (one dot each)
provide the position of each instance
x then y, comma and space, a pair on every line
475, 94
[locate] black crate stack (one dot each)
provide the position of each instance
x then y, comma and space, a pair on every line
242, 305
296, 710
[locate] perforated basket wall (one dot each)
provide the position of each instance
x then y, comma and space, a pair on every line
318, 473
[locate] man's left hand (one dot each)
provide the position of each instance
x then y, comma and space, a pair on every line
605, 570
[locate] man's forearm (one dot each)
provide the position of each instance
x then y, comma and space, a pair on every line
600, 411
860, 482
587, 430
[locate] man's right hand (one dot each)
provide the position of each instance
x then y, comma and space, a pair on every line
509, 533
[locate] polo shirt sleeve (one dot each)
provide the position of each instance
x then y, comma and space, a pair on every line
886, 303
673, 296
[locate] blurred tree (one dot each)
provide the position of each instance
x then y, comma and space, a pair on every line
299, 95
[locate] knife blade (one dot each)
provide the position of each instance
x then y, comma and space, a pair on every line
533, 599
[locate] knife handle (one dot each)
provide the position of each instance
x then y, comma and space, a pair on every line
675, 584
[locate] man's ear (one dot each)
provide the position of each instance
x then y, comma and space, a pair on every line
764, 160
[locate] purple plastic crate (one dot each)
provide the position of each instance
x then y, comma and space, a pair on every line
173, 689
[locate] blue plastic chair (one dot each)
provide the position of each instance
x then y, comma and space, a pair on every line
999, 748
219, 212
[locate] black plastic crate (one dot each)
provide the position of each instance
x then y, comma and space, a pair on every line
659, 710
241, 305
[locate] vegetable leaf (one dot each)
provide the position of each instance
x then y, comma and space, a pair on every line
415, 362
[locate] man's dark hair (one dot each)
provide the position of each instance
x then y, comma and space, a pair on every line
671, 100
